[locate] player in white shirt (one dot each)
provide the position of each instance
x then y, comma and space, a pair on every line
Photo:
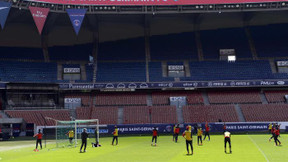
227, 138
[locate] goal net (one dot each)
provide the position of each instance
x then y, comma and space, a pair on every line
68, 133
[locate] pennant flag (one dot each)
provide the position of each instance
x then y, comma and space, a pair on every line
76, 17
4, 11
39, 16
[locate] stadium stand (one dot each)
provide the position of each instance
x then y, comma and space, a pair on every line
162, 98
121, 99
21, 53
83, 113
259, 112
121, 72
275, 96
209, 113
214, 40
163, 114
28, 71
106, 115
270, 40
156, 74
136, 115
70, 65
141, 114
218, 97
130, 49
86, 99
36, 116
76, 52
223, 70
180, 46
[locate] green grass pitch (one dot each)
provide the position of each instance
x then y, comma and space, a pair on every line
245, 148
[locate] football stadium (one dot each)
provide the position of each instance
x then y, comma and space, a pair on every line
143, 80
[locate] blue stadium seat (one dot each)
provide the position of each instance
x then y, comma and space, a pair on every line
28, 71
173, 47
121, 72
130, 49
270, 40
233, 38
21, 53
76, 52
155, 72
223, 70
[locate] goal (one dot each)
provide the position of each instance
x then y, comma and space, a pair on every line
77, 126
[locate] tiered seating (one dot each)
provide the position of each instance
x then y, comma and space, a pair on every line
106, 115
136, 115
223, 70
28, 71
83, 113
155, 72
162, 98
36, 116
214, 40
180, 46
71, 66
141, 114
270, 40
275, 96
89, 74
86, 99
211, 113
21, 53
270, 112
164, 114
121, 99
121, 72
130, 49
76, 52
234, 97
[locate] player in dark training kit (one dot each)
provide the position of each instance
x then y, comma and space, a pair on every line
207, 130
276, 135
154, 137
84, 136
177, 131
227, 139
188, 136
39, 139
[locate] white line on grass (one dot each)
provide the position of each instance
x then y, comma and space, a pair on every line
259, 149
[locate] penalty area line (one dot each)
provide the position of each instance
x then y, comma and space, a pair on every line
259, 148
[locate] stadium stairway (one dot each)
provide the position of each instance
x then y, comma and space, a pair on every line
120, 115
3, 114
199, 46
149, 100
59, 71
239, 113
179, 112
251, 44
83, 72
187, 69
273, 65
263, 98
164, 69
73, 113
205, 98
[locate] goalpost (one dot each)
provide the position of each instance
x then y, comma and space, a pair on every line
77, 126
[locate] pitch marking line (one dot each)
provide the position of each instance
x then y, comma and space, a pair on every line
259, 148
